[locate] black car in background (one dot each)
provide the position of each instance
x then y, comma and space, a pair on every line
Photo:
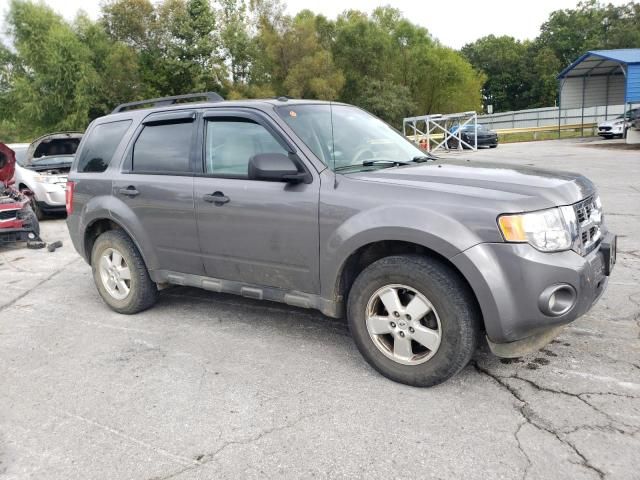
486, 137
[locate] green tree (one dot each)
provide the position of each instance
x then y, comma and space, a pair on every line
185, 56
386, 56
237, 44
52, 78
504, 61
129, 21
116, 65
296, 63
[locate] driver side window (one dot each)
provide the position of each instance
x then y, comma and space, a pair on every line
232, 142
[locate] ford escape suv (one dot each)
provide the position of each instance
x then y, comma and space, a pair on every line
321, 205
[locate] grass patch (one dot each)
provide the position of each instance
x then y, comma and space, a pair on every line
535, 136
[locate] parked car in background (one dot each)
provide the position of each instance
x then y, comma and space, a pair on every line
486, 137
42, 167
17, 220
635, 119
618, 126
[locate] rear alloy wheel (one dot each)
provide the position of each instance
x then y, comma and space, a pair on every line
115, 274
120, 274
414, 319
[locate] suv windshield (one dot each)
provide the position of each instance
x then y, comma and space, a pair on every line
21, 154
54, 160
347, 138
471, 128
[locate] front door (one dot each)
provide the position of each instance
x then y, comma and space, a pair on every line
254, 232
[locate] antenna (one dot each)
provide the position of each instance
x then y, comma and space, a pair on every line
333, 148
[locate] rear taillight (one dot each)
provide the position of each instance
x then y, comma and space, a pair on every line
69, 196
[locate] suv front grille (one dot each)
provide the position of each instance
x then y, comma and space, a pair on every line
8, 215
589, 222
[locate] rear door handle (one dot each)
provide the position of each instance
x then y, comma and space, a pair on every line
130, 191
217, 198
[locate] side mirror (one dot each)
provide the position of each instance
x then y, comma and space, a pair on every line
274, 167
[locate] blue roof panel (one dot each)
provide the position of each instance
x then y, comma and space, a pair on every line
627, 56
623, 55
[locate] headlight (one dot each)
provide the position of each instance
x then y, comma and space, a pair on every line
47, 179
547, 230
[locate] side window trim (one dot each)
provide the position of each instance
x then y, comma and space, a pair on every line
180, 117
211, 115
164, 118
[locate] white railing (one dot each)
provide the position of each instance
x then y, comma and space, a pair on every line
542, 117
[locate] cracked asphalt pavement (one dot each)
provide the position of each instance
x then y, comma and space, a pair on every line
210, 386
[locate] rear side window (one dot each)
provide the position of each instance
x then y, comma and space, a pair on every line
163, 148
100, 145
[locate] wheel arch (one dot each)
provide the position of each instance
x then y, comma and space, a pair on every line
371, 252
100, 225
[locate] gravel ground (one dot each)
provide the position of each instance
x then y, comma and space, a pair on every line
210, 386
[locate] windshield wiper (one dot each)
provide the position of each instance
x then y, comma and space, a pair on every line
391, 163
425, 158
370, 163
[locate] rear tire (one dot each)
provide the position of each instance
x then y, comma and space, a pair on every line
452, 313
120, 274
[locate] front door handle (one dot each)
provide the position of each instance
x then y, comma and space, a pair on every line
130, 191
217, 198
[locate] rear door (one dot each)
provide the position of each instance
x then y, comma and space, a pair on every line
262, 233
157, 184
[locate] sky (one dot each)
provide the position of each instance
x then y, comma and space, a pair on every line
454, 24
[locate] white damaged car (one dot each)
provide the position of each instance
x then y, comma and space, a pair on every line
618, 126
42, 168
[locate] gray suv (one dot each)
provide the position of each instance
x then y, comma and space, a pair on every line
321, 205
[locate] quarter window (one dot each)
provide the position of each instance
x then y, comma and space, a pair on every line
163, 148
100, 146
231, 142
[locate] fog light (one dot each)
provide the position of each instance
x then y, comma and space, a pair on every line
557, 300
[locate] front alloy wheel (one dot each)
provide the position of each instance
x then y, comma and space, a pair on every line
403, 324
413, 318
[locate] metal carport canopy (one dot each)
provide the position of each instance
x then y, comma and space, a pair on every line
601, 77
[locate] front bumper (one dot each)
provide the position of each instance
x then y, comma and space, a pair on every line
14, 235
52, 209
509, 279
611, 133
51, 195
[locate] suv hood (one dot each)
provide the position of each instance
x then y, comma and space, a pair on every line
612, 123
52, 144
520, 188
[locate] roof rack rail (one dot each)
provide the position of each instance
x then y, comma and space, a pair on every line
165, 101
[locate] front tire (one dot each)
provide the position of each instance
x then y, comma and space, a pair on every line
36, 209
413, 319
120, 274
